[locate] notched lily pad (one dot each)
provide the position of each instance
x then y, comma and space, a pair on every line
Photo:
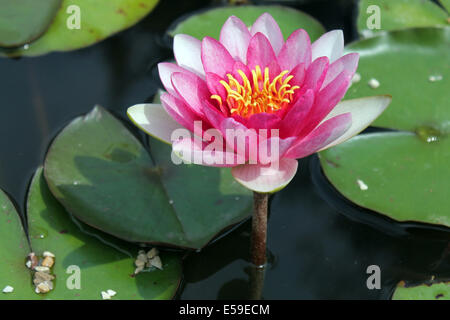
434, 291
398, 14
102, 175
99, 266
22, 21
413, 67
209, 23
80, 23
397, 174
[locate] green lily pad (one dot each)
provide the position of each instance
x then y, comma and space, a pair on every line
413, 67
22, 21
397, 174
98, 20
435, 291
14, 250
210, 22
102, 266
102, 175
398, 14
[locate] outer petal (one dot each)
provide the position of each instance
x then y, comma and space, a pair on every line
192, 89
330, 45
187, 51
324, 134
192, 150
266, 178
349, 62
326, 100
293, 120
296, 50
235, 37
363, 111
166, 69
267, 25
216, 58
179, 111
154, 120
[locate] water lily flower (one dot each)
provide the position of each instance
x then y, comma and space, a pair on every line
251, 80
251, 91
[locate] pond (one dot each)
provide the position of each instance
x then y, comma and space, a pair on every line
320, 244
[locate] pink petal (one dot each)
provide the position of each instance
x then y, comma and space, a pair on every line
294, 120
315, 75
194, 150
266, 178
179, 111
326, 100
192, 89
296, 50
242, 140
260, 53
327, 132
166, 70
235, 37
363, 111
267, 25
154, 120
216, 58
187, 51
263, 121
330, 44
348, 62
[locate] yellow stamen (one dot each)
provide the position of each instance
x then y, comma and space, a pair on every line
262, 95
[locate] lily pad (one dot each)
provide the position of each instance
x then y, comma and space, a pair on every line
102, 266
22, 21
435, 291
98, 20
398, 14
14, 250
397, 174
209, 23
102, 175
412, 66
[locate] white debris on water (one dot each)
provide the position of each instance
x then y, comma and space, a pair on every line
111, 293
434, 78
356, 78
374, 83
105, 295
8, 289
362, 185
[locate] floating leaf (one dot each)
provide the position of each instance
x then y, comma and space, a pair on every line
398, 14
102, 266
412, 66
435, 291
14, 250
210, 22
22, 21
102, 175
98, 20
397, 174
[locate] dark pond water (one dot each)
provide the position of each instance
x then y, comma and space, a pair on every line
320, 245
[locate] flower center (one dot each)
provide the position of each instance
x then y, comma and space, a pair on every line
262, 95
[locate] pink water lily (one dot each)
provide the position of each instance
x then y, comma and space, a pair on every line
252, 79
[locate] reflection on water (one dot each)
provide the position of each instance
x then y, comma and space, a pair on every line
316, 251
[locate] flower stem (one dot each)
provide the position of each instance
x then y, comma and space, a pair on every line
259, 229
